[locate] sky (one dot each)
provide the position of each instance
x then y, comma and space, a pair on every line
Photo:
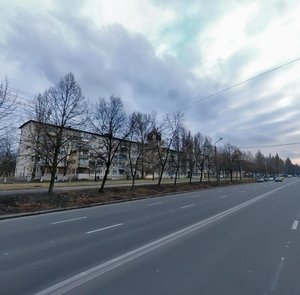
166, 56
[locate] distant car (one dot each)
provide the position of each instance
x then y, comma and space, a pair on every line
260, 179
278, 179
271, 178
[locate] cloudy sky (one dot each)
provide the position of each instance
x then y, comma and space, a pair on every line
166, 56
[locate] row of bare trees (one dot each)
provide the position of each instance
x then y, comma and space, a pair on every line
146, 145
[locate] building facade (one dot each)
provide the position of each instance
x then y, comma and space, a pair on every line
79, 159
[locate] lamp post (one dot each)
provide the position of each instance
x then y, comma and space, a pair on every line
217, 170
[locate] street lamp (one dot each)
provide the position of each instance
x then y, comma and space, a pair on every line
217, 170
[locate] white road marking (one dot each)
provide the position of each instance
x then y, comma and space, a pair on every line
104, 228
195, 196
242, 191
277, 274
154, 204
68, 220
187, 206
295, 224
223, 197
97, 271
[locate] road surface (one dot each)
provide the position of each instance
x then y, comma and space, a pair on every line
243, 239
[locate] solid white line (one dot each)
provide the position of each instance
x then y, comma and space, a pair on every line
97, 271
295, 224
68, 220
242, 191
103, 228
187, 206
153, 204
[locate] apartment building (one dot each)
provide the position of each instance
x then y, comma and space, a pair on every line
79, 159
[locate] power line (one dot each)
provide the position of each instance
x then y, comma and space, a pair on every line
21, 92
267, 146
243, 82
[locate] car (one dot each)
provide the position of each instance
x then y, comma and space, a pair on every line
260, 179
278, 179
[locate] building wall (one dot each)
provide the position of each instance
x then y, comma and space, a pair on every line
82, 161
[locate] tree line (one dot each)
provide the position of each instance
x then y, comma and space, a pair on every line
144, 144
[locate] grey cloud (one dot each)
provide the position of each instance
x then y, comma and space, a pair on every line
110, 60
105, 61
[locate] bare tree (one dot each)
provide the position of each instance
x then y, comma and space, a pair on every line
7, 156
229, 159
170, 128
57, 112
7, 106
209, 156
137, 144
237, 163
196, 158
178, 152
260, 163
110, 121
279, 164
190, 156
151, 160
204, 154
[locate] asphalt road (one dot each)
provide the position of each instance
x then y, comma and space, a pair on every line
242, 239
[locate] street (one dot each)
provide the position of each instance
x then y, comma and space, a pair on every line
241, 239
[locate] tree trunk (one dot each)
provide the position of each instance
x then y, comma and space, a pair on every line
104, 179
133, 180
52, 180
175, 180
201, 174
142, 172
160, 175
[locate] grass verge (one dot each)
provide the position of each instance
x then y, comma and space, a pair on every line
27, 203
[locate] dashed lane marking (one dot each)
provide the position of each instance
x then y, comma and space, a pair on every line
104, 228
187, 206
295, 224
68, 220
